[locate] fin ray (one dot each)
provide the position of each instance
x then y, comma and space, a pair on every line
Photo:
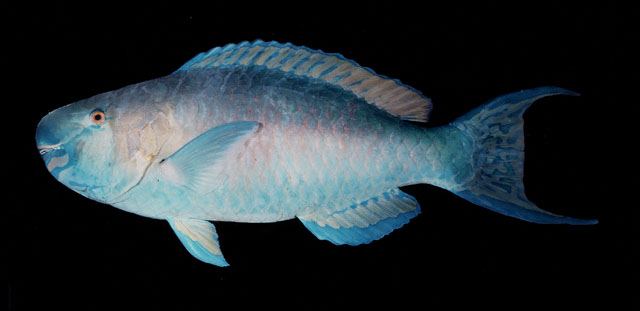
364, 222
200, 238
496, 129
408, 104
194, 165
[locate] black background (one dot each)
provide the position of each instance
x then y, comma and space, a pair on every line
67, 251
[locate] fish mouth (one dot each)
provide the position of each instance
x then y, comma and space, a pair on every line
48, 148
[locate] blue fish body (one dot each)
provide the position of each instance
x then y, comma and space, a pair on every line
265, 132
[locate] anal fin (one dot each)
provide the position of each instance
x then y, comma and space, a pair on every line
364, 222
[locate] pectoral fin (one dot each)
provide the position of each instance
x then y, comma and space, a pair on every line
196, 164
200, 239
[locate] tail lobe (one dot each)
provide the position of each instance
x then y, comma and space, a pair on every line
496, 130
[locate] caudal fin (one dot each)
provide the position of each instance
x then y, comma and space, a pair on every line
496, 130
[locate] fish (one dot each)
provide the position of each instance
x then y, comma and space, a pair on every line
261, 132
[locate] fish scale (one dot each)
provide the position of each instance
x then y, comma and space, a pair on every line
325, 159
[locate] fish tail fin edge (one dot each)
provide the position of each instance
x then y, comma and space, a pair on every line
496, 130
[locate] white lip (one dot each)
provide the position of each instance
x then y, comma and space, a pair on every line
47, 148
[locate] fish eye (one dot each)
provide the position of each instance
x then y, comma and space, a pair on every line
97, 117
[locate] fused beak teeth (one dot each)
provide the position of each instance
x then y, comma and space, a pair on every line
47, 148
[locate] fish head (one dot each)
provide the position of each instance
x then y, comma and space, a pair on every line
77, 143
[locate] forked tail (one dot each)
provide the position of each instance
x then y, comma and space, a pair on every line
496, 130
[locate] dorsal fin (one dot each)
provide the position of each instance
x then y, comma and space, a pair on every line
387, 94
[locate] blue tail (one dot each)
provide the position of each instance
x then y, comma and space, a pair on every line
496, 130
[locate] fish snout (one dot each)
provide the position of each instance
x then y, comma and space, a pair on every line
46, 140
49, 145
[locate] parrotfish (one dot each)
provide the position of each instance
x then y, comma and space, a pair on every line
264, 132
